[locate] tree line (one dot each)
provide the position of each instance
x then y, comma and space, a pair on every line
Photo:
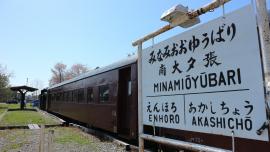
60, 72
5, 92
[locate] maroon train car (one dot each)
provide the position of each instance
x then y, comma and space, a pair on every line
106, 98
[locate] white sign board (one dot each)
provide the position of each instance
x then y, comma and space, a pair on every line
208, 79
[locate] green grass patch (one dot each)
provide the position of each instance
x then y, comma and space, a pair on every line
18, 106
3, 107
13, 106
23, 118
2, 110
72, 135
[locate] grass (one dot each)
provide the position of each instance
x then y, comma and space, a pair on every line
73, 138
13, 106
72, 135
3, 107
3, 134
23, 118
2, 110
11, 136
17, 106
13, 146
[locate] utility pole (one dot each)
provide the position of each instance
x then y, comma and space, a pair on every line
264, 34
263, 25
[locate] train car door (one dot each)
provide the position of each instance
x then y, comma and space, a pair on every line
49, 100
124, 102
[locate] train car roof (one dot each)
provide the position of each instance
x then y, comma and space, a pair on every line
121, 63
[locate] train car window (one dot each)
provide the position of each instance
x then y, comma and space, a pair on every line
57, 97
52, 97
90, 95
104, 93
66, 96
70, 96
129, 88
75, 95
61, 96
81, 95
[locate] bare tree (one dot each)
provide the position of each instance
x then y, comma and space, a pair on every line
37, 83
76, 70
58, 72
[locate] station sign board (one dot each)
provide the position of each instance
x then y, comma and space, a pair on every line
208, 79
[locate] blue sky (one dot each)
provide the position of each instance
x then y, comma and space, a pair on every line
36, 34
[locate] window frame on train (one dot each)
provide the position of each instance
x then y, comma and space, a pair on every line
101, 91
90, 95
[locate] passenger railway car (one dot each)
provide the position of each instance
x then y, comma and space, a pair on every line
106, 98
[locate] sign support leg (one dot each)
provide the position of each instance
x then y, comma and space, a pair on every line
140, 114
